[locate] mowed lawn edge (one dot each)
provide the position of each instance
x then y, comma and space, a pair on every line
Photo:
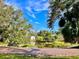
15, 56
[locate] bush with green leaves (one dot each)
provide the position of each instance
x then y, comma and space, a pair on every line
13, 26
60, 44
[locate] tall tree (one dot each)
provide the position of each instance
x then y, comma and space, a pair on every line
67, 12
13, 27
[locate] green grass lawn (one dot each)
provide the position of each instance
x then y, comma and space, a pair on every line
9, 56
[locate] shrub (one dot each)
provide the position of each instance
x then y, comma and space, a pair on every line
26, 45
13, 43
59, 44
3, 44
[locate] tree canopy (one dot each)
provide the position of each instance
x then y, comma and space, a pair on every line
67, 12
13, 26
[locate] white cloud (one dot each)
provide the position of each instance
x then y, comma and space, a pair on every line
42, 7
37, 23
32, 6
33, 15
29, 9
39, 5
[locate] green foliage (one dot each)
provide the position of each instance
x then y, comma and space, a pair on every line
10, 56
45, 36
67, 12
13, 27
56, 8
40, 38
55, 44
26, 45
3, 44
60, 44
47, 39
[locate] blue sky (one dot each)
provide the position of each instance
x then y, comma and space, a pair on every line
36, 11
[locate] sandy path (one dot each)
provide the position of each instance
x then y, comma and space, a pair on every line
40, 51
